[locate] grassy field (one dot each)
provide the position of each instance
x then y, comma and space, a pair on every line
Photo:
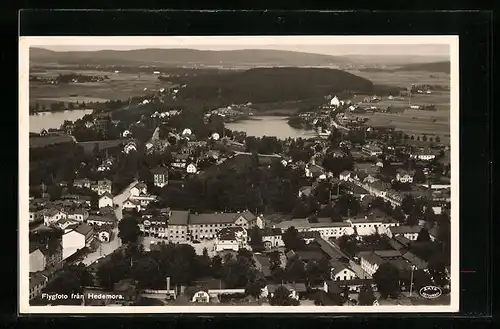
119, 87
404, 78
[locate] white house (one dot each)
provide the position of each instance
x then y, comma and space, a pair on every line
106, 200
126, 134
37, 260
76, 239
132, 204
191, 168
335, 102
104, 236
160, 176
409, 232
272, 238
404, 176
51, 216
345, 176
139, 189
340, 272
231, 238
129, 147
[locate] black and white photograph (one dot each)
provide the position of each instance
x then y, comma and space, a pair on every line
239, 174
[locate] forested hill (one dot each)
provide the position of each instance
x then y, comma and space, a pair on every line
262, 85
182, 57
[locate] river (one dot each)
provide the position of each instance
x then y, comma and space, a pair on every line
47, 120
276, 126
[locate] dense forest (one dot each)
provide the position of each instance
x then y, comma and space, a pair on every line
262, 85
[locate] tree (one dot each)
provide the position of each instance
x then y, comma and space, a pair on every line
398, 215
129, 230
116, 269
423, 236
387, 279
292, 240
295, 270
147, 273
281, 297
255, 236
216, 267
438, 139
424, 138
254, 289
407, 204
419, 176
366, 296
317, 271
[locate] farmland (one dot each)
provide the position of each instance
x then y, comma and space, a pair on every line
413, 122
119, 87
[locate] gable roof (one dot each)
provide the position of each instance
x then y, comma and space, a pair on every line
178, 217
405, 229
106, 195
84, 229
219, 218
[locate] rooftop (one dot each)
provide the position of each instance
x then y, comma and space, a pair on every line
405, 229
178, 217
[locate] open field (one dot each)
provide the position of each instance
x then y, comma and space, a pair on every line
404, 78
119, 87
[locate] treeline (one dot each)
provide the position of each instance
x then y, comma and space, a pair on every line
262, 85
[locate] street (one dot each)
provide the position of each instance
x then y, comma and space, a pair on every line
119, 199
104, 249
107, 248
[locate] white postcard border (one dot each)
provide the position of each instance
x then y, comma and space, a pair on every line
251, 41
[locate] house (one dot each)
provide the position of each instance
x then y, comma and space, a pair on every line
106, 200
415, 261
100, 220
104, 186
160, 176
132, 204
78, 215
180, 160
205, 226
37, 260
371, 150
38, 282
82, 183
177, 226
409, 232
104, 235
139, 189
272, 238
405, 176
231, 238
305, 191
51, 216
345, 175
295, 290
76, 239
340, 271
130, 147
64, 223
191, 168
371, 260
423, 154
126, 134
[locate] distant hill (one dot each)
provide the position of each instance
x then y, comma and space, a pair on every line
176, 57
266, 85
436, 67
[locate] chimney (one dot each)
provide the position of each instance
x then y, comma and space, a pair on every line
168, 284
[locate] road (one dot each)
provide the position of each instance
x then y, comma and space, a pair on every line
107, 248
119, 199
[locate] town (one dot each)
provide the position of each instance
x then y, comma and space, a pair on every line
168, 206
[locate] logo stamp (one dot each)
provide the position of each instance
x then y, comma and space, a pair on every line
430, 292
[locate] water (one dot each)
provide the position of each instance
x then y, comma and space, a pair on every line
47, 120
276, 126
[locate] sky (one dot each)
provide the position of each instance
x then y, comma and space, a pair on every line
405, 45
